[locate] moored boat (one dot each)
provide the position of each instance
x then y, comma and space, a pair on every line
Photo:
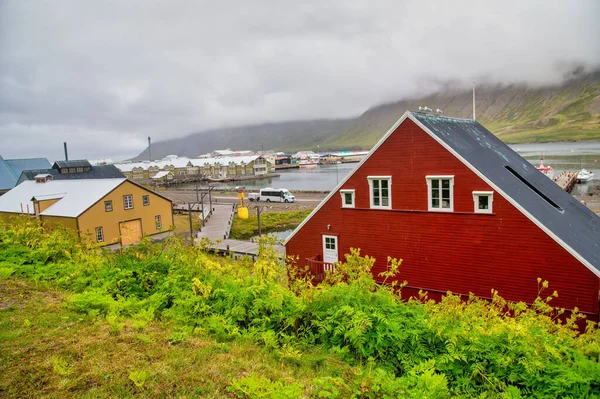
305, 163
547, 170
584, 175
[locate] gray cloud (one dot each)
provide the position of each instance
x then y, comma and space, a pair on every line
104, 75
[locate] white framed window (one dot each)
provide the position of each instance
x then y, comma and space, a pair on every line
99, 234
440, 193
108, 206
128, 201
482, 201
347, 198
146, 200
158, 222
380, 191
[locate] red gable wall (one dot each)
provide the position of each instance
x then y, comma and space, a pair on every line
461, 251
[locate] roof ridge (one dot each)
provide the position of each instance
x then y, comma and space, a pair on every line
442, 116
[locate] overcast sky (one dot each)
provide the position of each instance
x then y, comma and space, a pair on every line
105, 75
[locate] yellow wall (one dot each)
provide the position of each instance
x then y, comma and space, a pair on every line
52, 221
97, 216
45, 204
7, 216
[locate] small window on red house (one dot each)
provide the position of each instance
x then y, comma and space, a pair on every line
347, 198
483, 201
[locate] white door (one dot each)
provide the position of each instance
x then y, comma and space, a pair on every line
330, 249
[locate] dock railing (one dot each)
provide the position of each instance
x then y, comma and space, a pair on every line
318, 268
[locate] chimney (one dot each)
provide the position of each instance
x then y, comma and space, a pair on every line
66, 154
149, 150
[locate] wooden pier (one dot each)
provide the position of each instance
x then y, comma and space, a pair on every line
566, 180
217, 228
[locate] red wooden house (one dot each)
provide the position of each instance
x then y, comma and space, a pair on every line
465, 213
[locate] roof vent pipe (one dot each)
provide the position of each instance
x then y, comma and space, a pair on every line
66, 154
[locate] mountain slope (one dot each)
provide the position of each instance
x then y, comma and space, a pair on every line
515, 113
282, 135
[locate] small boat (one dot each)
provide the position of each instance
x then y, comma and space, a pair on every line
547, 170
584, 175
305, 163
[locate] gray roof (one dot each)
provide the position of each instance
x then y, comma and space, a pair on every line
97, 172
76, 163
10, 169
542, 200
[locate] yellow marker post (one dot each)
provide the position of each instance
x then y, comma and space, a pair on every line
242, 210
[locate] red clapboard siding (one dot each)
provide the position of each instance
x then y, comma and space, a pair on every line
462, 251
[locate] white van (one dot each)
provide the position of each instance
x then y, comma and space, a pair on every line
272, 195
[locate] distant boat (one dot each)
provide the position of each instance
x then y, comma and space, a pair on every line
547, 170
218, 179
584, 175
305, 163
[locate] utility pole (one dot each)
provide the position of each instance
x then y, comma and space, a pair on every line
210, 197
474, 118
191, 229
258, 210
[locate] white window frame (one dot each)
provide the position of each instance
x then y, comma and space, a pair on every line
429, 179
128, 201
99, 234
371, 199
108, 206
476, 195
145, 200
158, 222
343, 194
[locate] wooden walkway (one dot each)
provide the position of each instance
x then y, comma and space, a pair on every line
566, 180
218, 225
217, 228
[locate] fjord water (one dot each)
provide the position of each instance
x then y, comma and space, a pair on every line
569, 156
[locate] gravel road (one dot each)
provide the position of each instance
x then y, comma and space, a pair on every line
304, 200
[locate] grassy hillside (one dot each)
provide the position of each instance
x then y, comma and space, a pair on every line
515, 113
166, 320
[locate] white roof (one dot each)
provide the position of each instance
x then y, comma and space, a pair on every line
76, 195
183, 162
161, 174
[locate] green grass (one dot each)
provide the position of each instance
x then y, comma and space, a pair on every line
269, 221
49, 351
182, 222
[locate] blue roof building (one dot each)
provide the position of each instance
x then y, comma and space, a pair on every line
11, 169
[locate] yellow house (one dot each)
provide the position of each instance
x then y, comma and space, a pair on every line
113, 212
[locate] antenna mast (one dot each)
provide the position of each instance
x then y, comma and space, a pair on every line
474, 118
